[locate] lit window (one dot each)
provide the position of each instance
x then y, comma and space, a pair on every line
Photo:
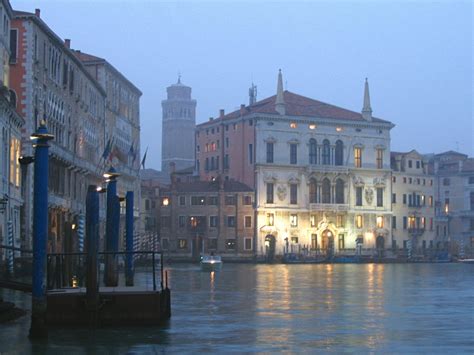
359, 221
166, 201
312, 220
338, 129
379, 222
358, 157
293, 125
339, 221
312, 126
379, 158
270, 219
294, 220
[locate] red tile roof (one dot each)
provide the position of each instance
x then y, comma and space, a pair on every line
297, 105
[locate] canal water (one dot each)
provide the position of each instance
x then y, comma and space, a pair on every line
342, 308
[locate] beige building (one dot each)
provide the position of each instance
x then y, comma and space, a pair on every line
207, 216
413, 192
454, 202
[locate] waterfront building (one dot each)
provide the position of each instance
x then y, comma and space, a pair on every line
413, 195
122, 127
10, 140
454, 202
51, 83
207, 216
321, 173
179, 122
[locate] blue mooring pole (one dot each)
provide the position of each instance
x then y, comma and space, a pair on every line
38, 327
129, 237
111, 229
92, 246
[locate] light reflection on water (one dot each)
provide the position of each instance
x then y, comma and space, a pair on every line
334, 308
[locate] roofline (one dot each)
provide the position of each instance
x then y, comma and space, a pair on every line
30, 16
8, 6
104, 61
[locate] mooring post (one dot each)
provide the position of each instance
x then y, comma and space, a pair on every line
129, 237
111, 229
92, 244
38, 327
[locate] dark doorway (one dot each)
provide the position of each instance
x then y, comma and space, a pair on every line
380, 246
270, 242
327, 243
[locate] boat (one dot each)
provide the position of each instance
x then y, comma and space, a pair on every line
211, 262
466, 261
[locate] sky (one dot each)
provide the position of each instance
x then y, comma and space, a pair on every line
417, 55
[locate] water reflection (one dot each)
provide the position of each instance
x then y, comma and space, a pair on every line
288, 308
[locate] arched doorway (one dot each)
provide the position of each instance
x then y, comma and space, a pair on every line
327, 243
380, 246
270, 242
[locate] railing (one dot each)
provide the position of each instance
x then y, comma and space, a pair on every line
66, 270
416, 231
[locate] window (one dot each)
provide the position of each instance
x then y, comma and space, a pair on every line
339, 153
472, 201
359, 196
314, 241
213, 221
404, 199
14, 164
431, 223
165, 243
230, 200
294, 220
293, 153
294, 240
293, 125
326, 152
339, 191
358, 157
326, 193
404, 179
379, 221
247, 200
394, 179
165, 221
394, 198
339, 221
182, 221
410, 180
248, 221
341, 241
182, 243
212, 243
379, 197
198, 200
293, 194
13, 45
227, 141
394, 222
312, 151
270, 219
405, 222
446, 205
359, 222
446, 182
182, 200
410, 164
312, 221
248, 243
213, 200
418, 164
226, 161
379, 158
250, 153
471, 180
230, 243
147, 204
312, 191
230, 221
269, 192
269, 152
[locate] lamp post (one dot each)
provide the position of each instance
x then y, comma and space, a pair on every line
40, 231
111, 228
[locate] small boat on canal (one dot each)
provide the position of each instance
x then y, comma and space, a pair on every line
211, 262
466, 261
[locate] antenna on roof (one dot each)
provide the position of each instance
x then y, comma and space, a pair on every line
252, 94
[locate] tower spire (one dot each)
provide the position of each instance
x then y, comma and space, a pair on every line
367, 110
280, 101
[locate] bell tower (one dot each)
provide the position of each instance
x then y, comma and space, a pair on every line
179, 122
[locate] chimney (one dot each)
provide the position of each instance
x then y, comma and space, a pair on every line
242, 109
37, 12
67, 43
211, 118
221, 113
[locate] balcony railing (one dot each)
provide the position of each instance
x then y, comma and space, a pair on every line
416, 230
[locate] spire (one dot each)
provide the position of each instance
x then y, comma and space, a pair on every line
179, 77
280, 102
367, 110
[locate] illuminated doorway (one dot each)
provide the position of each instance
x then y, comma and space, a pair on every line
327, 243
270, 242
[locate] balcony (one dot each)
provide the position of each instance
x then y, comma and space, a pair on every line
416, 205
466, 214
336, 207
416, 231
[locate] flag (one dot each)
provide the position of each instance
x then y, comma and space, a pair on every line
144, 158
132, 153
106, 152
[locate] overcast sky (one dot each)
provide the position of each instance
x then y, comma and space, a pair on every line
416, 54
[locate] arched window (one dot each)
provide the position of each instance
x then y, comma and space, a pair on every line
312, 191
326, 193
326, 152
339, 153
312, 151
339, 191
13, 98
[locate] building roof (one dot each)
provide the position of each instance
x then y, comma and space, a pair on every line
210, 186
89, 59
451, 152
297, 105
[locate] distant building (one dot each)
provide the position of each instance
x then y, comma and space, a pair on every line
207, 216
179, 122
51, 83
321, 173
148, 236
413, 201
454, 201
11, 123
